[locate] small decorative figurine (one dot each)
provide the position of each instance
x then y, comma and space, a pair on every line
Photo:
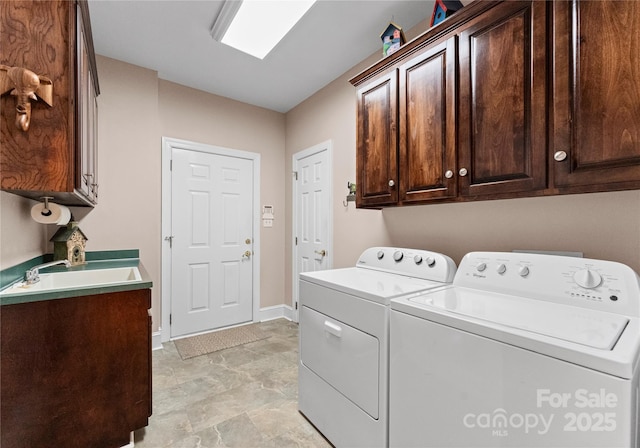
392, 39
443, 9
69, 243
25, 85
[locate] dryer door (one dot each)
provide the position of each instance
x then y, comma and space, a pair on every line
343, 356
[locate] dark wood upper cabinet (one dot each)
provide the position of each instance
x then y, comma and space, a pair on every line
507, 99
502, 146
596, 108
377, 161
427, 124
56, 156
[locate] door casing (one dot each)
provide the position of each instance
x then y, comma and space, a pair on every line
168, 144
324, 146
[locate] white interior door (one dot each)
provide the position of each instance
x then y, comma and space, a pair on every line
313, 223
212, 208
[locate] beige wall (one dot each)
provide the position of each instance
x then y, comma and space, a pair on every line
137, 109
128, 211
21, 238
193, 115
601, 225
330, 114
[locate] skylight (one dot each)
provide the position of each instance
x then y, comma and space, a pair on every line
256, 26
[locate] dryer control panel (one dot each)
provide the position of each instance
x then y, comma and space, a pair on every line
416, 263
597, 284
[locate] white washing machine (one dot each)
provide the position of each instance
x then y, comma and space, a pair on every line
344, 339
523, 350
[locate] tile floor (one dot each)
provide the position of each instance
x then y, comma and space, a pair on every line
244, 396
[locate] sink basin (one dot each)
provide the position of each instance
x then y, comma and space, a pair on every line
77, 279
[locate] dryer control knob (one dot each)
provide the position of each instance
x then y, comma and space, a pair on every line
418, 259
430, 261
380, 255
502, 268
587, 278
481, 267
398, 255
523, 271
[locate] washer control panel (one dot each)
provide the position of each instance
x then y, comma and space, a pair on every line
598, 284
416, 263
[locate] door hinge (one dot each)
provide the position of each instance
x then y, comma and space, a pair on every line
295, 174
170, 318
171, 165
296, 305
296, 241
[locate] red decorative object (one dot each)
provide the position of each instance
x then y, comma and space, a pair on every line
444, 9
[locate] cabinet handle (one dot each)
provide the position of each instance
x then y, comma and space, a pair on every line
391, 183
559, 156
448, 174
463, 172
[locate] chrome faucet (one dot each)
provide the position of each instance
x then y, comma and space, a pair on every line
33, 275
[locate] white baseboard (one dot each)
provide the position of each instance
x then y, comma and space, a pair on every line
156, 340
269, 313
275, 312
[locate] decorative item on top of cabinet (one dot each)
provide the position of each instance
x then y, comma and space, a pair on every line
57, 156
392, 39
596, 102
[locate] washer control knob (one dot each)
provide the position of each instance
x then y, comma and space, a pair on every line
431, 262
380, 255
587, 278
481, 267
523, 271
398, 255
501, 269
418, 259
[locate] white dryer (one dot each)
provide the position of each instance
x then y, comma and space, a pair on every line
523, 350
344, 339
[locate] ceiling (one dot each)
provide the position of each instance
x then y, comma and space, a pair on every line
172, 37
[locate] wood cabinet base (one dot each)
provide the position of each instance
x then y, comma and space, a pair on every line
75, 372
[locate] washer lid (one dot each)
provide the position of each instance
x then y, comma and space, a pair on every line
373, 285
578, 325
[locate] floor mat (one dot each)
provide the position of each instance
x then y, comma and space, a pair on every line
218, 340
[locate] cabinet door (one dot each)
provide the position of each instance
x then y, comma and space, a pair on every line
86, 179
502, 101
596, 109
377, 152
427, 125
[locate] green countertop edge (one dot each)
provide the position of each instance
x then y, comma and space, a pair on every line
95, 260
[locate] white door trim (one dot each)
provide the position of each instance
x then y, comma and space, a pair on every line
168, 144
324, 146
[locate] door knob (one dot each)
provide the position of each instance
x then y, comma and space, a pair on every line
391, 183
247, 241
559, 156
246, 254
322, 252
463, 172
448, 174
